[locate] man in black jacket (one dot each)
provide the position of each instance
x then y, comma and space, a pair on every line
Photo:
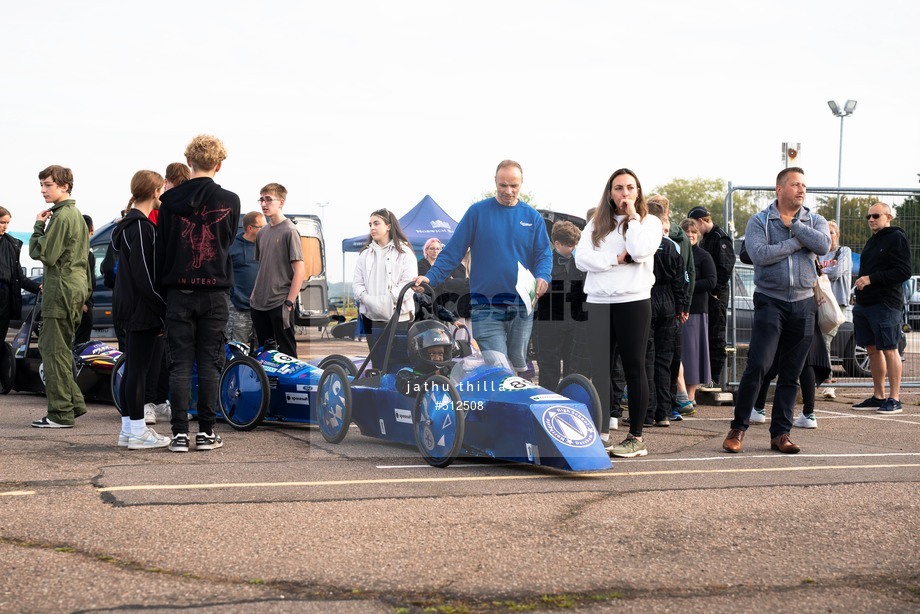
719, 245
883, 266
196, 226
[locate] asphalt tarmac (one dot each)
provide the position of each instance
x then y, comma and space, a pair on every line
279, 520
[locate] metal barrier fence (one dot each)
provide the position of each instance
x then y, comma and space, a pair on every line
850, 362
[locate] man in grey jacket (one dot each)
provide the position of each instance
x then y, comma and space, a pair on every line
782, 241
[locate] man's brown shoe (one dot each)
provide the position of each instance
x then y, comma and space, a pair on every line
732, 441
782, 444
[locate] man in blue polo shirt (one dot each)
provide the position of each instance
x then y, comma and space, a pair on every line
500, 232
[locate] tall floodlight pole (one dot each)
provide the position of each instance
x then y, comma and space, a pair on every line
846, 111
322, 213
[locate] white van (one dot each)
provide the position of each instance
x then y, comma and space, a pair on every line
313, 306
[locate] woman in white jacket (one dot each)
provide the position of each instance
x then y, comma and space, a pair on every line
617, 251
384, 267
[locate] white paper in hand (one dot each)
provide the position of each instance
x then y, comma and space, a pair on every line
526, 288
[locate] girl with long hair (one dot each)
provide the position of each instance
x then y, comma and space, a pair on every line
138, 307
617, 250
385, 266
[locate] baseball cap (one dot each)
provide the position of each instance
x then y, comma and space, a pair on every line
698, 213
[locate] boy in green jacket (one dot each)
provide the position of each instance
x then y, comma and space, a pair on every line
60, 241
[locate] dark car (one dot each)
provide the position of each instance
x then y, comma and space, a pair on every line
844, 352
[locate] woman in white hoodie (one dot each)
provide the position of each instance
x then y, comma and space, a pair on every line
617, 251
384, 267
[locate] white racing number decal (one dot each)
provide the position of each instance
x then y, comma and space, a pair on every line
569, 426
515, 383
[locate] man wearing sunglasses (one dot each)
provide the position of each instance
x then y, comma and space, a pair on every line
883, 266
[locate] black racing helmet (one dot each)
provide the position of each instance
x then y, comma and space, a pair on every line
426, 337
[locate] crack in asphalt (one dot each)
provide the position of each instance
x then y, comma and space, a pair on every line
904, 588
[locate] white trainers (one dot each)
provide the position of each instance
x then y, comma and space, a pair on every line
758, 416
163, 410
150, 415
614, 423
123, 437
829, 393
149, 440
806, 421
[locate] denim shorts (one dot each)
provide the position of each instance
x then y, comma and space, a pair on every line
878, 325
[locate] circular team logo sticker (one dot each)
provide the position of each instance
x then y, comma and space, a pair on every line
569, 426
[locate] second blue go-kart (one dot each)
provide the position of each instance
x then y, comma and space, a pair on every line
272, 387
461, 403
269, 386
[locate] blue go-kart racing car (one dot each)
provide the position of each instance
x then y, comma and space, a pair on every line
267, 387
435, 393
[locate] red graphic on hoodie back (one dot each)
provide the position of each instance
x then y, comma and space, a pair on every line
199, 236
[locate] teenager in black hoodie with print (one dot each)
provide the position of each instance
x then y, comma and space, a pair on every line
197, 225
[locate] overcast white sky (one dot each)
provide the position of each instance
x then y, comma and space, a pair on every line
369, 104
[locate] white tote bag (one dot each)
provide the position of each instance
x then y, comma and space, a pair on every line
830, 315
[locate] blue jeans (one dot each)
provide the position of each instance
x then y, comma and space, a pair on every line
781, 330
196, 332
504, 329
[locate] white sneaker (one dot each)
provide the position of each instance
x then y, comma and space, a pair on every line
614, 423
758, 416
806, 421
150, 439
150, 415
829, 393
123, 439
163, 410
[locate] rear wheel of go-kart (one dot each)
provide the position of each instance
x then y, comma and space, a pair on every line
337, 359
438, 421
118, 375
244, 393
7, 368
333, 403
579, 388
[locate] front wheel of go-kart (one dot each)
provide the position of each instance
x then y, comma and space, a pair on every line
337, 359
333, 402
118, 375
579, 388
438, 421
244, 393
7, 368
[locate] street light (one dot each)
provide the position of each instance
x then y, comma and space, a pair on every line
322, 207
847, 110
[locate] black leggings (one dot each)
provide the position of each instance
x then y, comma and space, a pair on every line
144, 348
807, 384
622, 328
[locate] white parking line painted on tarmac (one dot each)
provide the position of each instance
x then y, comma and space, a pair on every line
452, 466
151, 487
17, 493
739, 457
899, 418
